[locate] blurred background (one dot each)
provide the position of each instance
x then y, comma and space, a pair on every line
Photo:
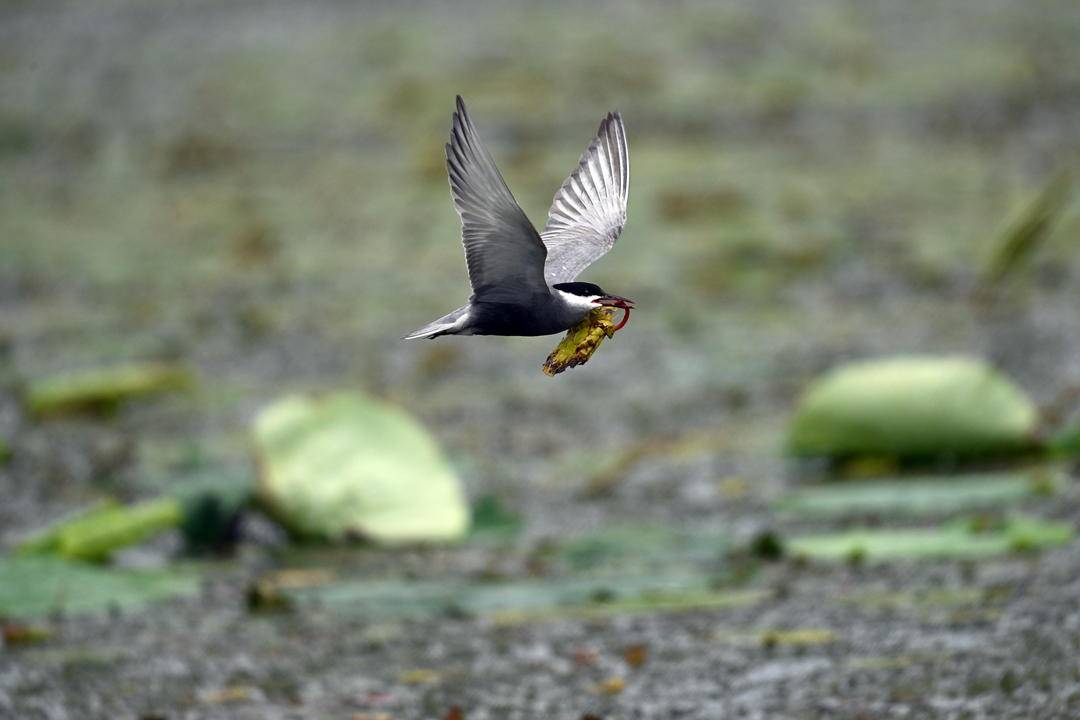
236, 202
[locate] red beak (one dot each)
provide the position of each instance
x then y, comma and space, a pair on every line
615, 301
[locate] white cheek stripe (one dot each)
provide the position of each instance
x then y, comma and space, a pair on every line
577, 301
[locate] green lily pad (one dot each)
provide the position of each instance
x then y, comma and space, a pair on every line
103, 390
36, 586
343, 465
954, 540
913, 407
926, 495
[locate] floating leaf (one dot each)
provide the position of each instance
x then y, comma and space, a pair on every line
36, 586
619, 548
611, 571
95, 534
526, 600
581, 341
342, 465
913, 407
924, 495
48, 540
124, 526
957, 539
103, 390
205, 511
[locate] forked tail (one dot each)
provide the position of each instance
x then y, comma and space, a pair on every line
449, 324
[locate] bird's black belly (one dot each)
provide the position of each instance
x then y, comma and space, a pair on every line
513, 319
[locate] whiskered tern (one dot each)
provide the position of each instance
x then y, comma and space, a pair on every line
524, 282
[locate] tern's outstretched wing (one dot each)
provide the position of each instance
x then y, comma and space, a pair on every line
589, 210
504, 254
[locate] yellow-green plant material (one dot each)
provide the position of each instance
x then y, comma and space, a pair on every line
48, 539
124, 527
913, 407
103, 390
581, 341
964, 537
343, 465
921, 495
95, 535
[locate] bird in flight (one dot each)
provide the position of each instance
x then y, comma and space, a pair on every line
524, 282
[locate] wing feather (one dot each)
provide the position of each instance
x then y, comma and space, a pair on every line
503, 251
588, 212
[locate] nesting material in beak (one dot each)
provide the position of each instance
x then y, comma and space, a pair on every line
583, 339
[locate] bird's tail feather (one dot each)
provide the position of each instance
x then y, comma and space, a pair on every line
446, 325
428, 331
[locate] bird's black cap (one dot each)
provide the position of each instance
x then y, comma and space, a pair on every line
583, 289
